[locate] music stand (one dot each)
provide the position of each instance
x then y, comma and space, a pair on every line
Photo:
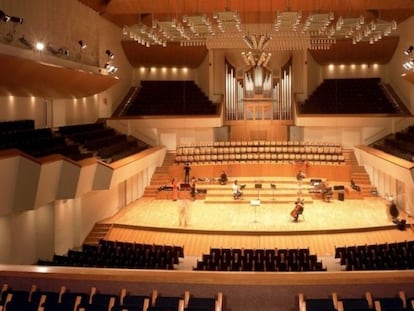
273, 187
255, 203
258, 187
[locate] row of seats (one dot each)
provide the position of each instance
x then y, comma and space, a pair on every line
104, 142
357, 95
38, 143
258, 143
65, 300
366, 302
16, 125
170, 98
327, 150
254, 157
274, 260
111, 254
387, 256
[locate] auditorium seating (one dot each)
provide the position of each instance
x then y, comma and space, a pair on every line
169, 97
35, 142
348, 96
263, 151
274, 260
116, 254
387, 256
193, 303
102, 141
64, 299
400, 144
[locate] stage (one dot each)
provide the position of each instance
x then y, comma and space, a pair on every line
199, 225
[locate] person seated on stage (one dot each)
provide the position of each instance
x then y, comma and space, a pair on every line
223, 178
298, 210
237, 193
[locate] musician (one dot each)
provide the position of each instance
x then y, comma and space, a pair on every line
223, 178
193, 188
175, 188
237, 193
298, 210
300, 176
326, 190
187, 170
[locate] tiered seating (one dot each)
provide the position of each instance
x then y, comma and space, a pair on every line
259, 151
280, 260
192, 303
36, 142
389, 256
104, 142
400, 144
170, 98
353, 96
365, 302
66, 300
115, 254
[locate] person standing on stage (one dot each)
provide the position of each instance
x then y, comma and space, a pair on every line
193, 188
187, 170
174, 184
236, 190
299, 177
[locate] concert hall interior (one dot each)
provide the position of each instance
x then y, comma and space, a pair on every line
256, 154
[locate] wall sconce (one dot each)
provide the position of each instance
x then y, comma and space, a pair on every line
82, 44
110, 54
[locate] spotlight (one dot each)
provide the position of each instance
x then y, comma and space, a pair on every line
40, 46
110, 68
63, 52
409, 50
25, 42
17, 20
4, 17
110, 54
409, 65
82, 44
52, 50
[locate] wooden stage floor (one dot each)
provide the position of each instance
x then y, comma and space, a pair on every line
198, 225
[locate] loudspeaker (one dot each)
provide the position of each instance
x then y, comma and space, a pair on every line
338, 187
341, 196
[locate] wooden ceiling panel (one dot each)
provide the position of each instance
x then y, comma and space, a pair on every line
172, 55
344, 52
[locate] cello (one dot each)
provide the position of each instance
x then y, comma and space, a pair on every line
298, 210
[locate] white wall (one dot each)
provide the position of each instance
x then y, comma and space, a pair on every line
404, 88
48, 21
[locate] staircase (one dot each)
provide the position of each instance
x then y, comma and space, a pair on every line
98, 232
359, 175
160, 177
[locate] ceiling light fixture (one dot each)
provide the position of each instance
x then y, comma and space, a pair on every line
82, 44
110, 54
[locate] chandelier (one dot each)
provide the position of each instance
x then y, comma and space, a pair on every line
290, 30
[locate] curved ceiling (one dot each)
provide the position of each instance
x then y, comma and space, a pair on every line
23, 77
